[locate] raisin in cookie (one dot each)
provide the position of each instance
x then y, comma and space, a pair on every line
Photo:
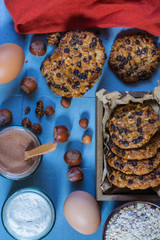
132, 125
122, 180
133, 167
53, 39
147, 151
134, 57
75, 66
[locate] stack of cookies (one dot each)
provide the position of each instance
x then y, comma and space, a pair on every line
76, 64
134, 156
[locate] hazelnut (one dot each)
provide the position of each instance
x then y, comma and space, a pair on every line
38, 48
73, 157
61, 134
5, 117
39, 109
65, 102
49, 111
36, 128
29, 84
75, 174
83, 123
27, 110
26, 123
86, 139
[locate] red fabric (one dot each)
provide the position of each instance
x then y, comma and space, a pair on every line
44, 16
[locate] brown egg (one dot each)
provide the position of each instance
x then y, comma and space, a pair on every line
11, 62
82, 212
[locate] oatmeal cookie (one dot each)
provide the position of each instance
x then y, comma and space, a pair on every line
134, 57
132, 125
53, 39
133, 167
75, 66
147, 151
133, 182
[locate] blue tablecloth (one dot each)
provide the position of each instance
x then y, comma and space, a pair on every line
51, 175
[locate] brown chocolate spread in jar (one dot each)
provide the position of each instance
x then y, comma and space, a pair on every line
13, 143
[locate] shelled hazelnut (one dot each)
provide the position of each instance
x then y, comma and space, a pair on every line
75, 174
27, 110
36, 128
26, 123
65, 102
29, 84
86, 139
73, 157
6, 117
39, 109
38, 47
49, 111
83, 123
61, 134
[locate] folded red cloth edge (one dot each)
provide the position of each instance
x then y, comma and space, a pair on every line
31, 17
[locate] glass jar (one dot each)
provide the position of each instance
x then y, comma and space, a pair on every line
9, 161
28, 214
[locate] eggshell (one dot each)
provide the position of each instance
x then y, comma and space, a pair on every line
82, 212
11, 62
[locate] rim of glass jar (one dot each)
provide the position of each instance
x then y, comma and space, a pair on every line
36, 164
41, 193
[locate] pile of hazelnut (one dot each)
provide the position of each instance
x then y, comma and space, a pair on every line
72, 157
61, 133
36, 127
